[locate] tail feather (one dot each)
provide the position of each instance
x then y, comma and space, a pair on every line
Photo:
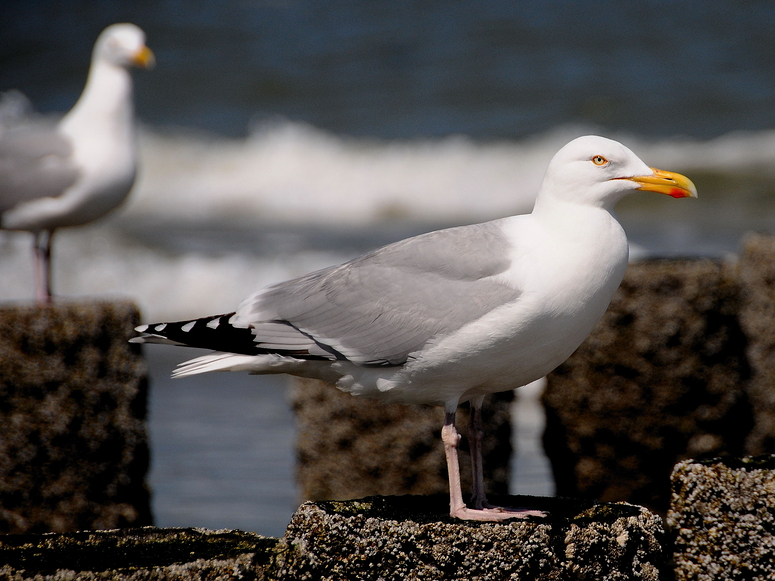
215, 362
214, 332
149, 338
219, 334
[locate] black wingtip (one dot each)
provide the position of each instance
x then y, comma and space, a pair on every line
215, 332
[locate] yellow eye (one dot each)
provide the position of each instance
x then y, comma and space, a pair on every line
599, 160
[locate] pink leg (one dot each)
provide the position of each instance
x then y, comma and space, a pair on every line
42, 248
475, 435
451, 439
457, 507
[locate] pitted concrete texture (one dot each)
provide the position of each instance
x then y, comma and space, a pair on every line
73, 443
410, 538
756, 272
722, 516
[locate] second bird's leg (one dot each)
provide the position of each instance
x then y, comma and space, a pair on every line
42, 250
475, 435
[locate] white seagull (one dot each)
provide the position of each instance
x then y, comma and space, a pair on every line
452, 315
76, 171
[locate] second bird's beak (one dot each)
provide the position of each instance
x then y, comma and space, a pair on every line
144, 58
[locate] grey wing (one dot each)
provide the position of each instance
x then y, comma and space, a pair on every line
35, 162
381, 307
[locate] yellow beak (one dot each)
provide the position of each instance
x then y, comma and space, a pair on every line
667, 182
144, 58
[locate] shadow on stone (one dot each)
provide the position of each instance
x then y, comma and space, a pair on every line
756, 272
136, 554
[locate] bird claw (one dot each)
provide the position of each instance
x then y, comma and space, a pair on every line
496, 513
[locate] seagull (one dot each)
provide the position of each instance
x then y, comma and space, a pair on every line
449, 316
78, 170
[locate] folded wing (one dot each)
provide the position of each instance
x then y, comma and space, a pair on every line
385, 305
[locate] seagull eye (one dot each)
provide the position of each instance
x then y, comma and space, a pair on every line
599, 160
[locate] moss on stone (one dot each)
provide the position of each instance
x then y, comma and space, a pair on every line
126, 549
760, 462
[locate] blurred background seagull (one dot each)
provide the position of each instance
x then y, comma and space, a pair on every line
449, 316
81, 168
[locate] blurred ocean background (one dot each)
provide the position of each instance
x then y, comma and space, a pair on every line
281, 136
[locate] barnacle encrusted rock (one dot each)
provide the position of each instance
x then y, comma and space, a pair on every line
73, 437
386, 538
410, 537
756, 273
722, 516
135, 555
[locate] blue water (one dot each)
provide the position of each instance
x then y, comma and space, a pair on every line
405, 69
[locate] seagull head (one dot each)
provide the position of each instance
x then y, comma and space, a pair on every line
597, 171
123, 45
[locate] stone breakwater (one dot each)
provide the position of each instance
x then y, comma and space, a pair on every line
719, 527
680, 367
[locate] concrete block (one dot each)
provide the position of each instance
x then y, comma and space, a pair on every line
756, 272
386, 538
136, 555
411, 538
350, 447
722, 517
661, 378
73, 444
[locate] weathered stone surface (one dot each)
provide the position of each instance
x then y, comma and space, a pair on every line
756, 272
386, 538
350, 447
405, 538
722, 516
136, 554
73, 443
661, 378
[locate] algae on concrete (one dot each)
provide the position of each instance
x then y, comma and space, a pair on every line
128, 554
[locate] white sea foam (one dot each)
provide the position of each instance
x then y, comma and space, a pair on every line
296, 173
288, 173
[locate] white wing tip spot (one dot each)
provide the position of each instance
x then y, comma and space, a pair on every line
187, 327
